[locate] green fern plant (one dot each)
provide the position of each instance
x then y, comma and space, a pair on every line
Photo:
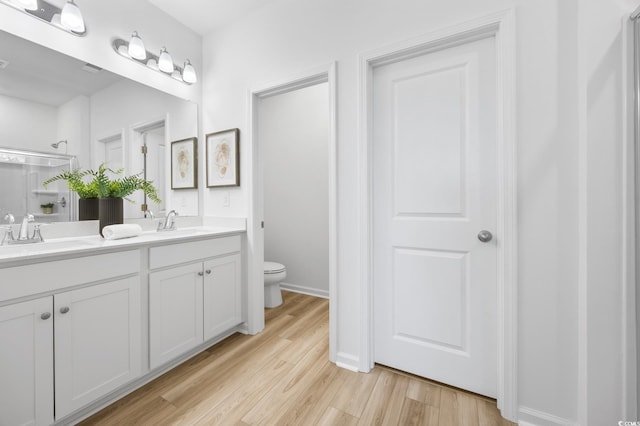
76, 183
102, 186
121, 187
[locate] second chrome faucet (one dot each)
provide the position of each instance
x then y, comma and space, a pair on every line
169, 223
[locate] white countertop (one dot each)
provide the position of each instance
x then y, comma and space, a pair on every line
86, 245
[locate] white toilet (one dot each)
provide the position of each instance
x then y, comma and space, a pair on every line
274, 273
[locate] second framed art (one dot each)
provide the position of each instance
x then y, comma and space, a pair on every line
184, 164
223, 158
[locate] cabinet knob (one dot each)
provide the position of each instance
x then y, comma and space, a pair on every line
46, 315
208, 271
64, 309
200, 274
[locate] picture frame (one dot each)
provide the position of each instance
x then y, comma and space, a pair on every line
184, 164
223, 158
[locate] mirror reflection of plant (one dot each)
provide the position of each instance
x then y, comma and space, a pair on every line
47, 206
76, 183
102, 186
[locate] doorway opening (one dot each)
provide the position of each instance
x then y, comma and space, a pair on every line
149, 157
294, 133
256, 222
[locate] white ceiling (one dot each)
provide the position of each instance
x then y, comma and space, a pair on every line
204, 16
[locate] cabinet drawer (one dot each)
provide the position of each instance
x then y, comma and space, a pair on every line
174, 254
21, 281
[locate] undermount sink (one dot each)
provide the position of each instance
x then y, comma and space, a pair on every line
186, 231
44, 247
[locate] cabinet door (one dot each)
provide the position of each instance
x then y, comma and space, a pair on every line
222, 295
175, 312
26, 363
97, 346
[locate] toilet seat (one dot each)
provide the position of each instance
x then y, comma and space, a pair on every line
273, 268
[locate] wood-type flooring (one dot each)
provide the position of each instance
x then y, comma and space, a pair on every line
283, 376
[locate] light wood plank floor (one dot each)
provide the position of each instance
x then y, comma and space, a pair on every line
282, 376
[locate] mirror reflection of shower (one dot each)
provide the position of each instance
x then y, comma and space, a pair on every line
56, 144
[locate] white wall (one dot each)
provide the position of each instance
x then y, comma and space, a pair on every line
604, 142
74, 124
294, 134
17, 124
564, 90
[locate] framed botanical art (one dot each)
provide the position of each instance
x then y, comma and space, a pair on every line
184, 164
223, 158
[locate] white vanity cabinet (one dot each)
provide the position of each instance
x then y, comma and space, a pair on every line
97, 341
194, 299
74, 329
82, 339
26, 363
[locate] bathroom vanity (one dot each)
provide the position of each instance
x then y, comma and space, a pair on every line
83, 321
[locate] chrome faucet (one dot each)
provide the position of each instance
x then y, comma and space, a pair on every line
23, 234
149, 213
9, 217
169, 222
24, 228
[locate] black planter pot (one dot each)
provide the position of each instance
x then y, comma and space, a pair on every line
88, 209
111, 212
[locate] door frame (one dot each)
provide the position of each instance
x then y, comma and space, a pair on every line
501, 26
255, 233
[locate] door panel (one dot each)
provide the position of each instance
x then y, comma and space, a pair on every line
222, 298
97, 342
26, 363
429, 142
420, 318
175, 312
435, 186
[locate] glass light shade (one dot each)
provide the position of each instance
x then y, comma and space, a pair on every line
27, 4
136, 47
189, 73
165, 63
71, 17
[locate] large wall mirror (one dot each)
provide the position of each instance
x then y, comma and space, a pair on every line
47, 97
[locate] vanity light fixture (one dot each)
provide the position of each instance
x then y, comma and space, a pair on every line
165, 63
189, 73
69, 18
135, 51
136, 47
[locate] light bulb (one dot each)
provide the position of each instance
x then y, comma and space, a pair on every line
136, 47
189, 73
27, 4
71, 17
165, 63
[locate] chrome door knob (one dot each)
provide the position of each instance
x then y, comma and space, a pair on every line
485, 236
208, 271
46, 315
200, 274
64, 309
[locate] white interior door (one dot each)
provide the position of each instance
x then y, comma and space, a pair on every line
113, 153
434, 190
154, 167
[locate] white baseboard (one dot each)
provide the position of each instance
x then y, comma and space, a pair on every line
346, 361
530, 417
310, 291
